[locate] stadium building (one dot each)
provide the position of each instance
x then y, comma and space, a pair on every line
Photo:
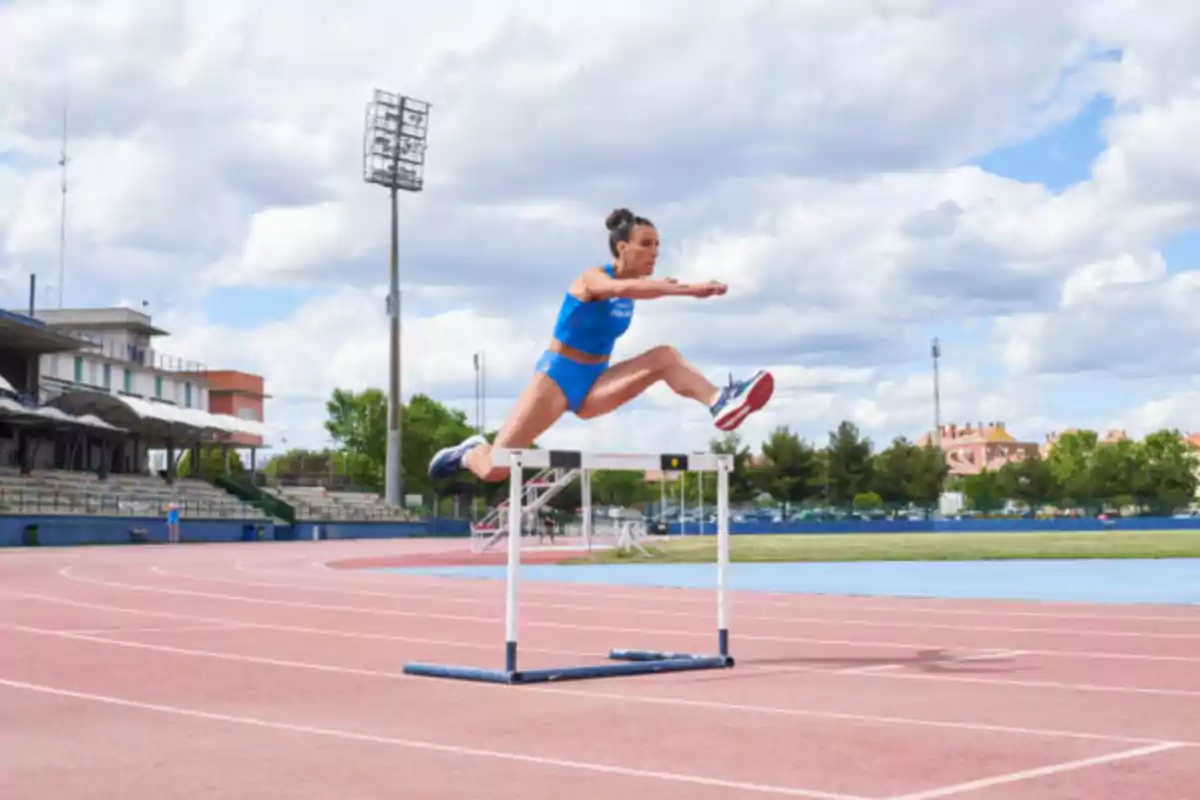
86, 400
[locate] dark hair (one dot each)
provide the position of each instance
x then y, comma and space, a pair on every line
620, 224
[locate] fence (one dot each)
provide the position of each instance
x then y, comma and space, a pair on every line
966, 525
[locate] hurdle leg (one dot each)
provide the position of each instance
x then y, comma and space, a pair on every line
723, 558
585, 492
516, 478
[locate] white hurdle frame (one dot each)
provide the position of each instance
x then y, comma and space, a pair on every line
635, 661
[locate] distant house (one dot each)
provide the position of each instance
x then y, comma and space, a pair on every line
972, 448
1111, 437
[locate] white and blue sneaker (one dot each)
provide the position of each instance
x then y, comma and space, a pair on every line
740, 399
449, 460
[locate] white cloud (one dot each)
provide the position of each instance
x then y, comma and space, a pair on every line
289, 241
813, 156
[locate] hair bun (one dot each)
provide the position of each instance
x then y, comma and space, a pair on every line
617, 218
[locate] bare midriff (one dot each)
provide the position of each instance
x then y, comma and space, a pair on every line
576, 355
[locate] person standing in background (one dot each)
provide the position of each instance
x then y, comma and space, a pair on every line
173, 522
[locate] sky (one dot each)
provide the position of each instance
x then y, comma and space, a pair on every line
1015, 178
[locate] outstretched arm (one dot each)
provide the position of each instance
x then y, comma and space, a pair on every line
598, 285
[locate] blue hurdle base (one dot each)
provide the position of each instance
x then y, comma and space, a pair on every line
636, 662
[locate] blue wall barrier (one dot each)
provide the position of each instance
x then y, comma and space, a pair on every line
432, 527
66, 531
976, 525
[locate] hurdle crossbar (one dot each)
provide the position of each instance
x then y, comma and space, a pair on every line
632, 662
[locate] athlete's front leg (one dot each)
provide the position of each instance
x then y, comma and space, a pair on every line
629, 379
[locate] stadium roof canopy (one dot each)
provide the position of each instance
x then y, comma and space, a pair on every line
22, 334
157, 420
46, 416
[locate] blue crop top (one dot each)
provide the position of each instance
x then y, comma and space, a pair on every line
593, 327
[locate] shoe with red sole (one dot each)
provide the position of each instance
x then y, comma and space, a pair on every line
740, 399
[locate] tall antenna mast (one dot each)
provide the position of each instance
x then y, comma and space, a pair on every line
62, 225
935, 350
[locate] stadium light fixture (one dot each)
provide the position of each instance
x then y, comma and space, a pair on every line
394, 157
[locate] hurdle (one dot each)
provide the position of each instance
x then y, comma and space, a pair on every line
626, 661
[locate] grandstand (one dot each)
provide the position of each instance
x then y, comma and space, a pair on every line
72, 442
318, 502
81, 493
88, 405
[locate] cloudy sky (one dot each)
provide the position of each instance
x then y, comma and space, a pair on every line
1017, 178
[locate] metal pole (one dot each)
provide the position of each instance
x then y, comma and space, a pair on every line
394, 157
394, 470
478, 416
516, 477
936, 352
662, 498
62, 225
585, 490
682, 502
723, 554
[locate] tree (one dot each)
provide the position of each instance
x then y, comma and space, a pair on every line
428, 427
983, 492
1113, 471
300, 465
789, 468
892, 471
906, 473
1070, 469
741, 482
847, 464
621, 488
213, 463
1027, 481
358, 425
1166, 479
927, 476
867, 501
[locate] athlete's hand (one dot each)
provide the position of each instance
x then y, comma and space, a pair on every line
709, 289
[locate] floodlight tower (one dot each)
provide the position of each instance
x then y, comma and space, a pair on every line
394, 157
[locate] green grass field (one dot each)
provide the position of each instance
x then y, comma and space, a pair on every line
914, 547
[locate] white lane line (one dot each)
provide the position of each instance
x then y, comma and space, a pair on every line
1027, 774
417, 744
616, 697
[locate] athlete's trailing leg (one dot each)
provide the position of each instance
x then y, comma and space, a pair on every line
538, 408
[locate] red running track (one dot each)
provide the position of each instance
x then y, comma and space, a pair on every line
256, 670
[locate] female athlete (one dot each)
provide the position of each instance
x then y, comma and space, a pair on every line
574, 373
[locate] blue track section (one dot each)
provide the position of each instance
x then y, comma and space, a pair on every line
1170, 581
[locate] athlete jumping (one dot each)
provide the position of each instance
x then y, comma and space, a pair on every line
574, 373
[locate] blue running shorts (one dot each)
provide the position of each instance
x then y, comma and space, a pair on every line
575, 379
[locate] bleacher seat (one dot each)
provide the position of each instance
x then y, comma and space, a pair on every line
320, 503
84, 493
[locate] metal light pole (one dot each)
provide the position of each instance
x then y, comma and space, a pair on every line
480, 390
394, 157
62, 224
935, 350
